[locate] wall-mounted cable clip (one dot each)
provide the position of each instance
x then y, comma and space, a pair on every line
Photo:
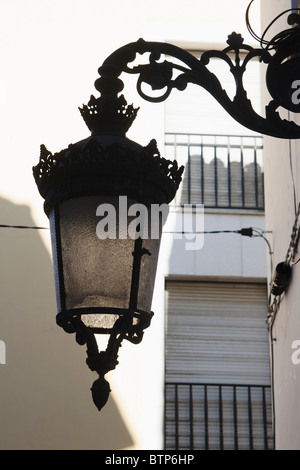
281, 278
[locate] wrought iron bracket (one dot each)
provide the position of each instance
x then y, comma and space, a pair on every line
282, 71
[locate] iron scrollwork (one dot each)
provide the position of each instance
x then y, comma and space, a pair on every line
283, 68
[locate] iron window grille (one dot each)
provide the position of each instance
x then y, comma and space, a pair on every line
221, 171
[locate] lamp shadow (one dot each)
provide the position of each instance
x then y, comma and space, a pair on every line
45, 398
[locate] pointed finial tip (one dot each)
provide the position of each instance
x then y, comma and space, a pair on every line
100, 392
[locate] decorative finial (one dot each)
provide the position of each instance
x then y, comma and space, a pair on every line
100, 392
108, 115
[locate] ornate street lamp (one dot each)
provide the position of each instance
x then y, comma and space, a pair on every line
105, 267
104, 281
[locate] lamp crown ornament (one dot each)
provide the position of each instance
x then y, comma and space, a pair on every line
108, 115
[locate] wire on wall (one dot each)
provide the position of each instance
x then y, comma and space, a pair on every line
288, 261
273, 43
252, 232
24, 227
292, 172
248, 232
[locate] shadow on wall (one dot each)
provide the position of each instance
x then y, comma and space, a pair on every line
45, 398
216, 184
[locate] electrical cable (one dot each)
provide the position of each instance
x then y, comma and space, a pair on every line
24, 227
292, 172
260, 234
273, 43
292, 175
246, 232
271, 342
243, 231
289, 260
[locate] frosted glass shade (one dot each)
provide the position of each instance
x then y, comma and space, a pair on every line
103, 270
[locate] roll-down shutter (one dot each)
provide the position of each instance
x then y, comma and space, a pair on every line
216, 334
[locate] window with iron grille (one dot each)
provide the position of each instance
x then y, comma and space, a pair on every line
221, 171
223, 160
217, 389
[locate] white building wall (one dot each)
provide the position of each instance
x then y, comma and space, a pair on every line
50, 54
282, 177
222, 254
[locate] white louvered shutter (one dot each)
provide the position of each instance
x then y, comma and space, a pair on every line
216, 334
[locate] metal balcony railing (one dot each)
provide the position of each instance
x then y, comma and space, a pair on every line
221, 171
218, 417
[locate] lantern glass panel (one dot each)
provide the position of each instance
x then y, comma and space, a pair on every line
95, 267
147, 274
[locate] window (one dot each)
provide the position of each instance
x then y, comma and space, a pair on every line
217, 367
223, 160
221, 171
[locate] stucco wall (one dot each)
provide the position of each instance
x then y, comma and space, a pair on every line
282, 173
